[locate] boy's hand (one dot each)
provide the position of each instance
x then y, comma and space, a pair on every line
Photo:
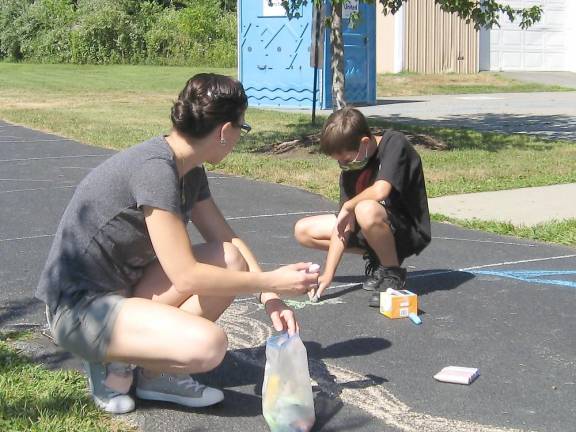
345, 221
282, 316
324, 282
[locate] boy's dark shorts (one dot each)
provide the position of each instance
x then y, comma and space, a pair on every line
408, 240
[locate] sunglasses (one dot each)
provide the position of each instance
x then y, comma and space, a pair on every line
245, 128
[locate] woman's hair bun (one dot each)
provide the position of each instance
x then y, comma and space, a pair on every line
183, 116
206, 101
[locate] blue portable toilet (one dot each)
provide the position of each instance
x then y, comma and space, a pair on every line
275, 61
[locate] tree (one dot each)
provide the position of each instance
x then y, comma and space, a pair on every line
483, 13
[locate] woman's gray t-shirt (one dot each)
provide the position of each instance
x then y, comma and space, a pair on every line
102, 243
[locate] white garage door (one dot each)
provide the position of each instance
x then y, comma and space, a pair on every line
542, 47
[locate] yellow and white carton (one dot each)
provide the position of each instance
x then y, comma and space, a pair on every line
398, 303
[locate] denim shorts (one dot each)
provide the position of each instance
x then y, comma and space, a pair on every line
84, 326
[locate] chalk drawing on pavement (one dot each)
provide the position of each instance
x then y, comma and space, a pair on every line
245, 332
298, 304
549, 277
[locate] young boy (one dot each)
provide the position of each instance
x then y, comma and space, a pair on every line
383, 204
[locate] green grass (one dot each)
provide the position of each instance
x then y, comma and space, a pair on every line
412, 84
118, 106
561, 232
35, 399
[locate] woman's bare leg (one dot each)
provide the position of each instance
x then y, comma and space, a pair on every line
156, 286
163, 330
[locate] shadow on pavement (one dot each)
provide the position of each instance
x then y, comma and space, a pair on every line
351, 348
426, 282
552, 127
14, 311
382, 101
245, 367
420, 282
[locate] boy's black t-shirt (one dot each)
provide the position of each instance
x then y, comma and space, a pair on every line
399, 164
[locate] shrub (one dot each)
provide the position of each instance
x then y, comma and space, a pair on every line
199, 34
105, 33
46, 31
188, 32
11, 13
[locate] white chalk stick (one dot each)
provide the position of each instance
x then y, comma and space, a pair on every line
313, 268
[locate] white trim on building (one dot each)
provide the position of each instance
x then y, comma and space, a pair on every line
571, 35
546, 46
399, 40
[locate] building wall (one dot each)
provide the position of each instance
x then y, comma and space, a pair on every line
438, 42
385, 41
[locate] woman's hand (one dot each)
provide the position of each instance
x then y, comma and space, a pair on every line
283, 318
293, 280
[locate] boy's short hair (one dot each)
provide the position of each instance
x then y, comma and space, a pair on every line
343, 131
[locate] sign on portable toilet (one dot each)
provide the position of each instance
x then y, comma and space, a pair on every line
275, 54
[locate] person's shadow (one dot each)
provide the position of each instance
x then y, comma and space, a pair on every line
327, 392
427, 281
245, 366
421, 282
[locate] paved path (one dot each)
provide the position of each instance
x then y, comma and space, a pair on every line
526, 206
501, 304
547, 115
565, 79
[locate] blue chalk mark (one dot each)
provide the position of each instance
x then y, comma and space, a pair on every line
533, 276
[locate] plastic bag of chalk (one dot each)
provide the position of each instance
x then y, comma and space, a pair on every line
287, 402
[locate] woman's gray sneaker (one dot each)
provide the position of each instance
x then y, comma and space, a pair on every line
180, 389
106, 398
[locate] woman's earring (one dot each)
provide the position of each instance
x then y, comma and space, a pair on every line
222, 142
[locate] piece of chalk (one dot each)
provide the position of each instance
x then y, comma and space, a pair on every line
415, 318
313, 268
314, 299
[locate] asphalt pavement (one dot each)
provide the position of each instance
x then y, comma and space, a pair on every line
501, 304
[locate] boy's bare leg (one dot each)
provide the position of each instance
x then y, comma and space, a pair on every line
315, 231
374, 223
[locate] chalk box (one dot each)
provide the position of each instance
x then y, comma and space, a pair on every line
398, 303
457, 375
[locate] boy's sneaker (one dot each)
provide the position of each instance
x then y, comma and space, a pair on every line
101, 376
180, 389
372, 264
388, 277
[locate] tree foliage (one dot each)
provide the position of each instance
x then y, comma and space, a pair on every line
482, 13
183, 32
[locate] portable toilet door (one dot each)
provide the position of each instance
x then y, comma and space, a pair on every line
274, 54
359, 55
